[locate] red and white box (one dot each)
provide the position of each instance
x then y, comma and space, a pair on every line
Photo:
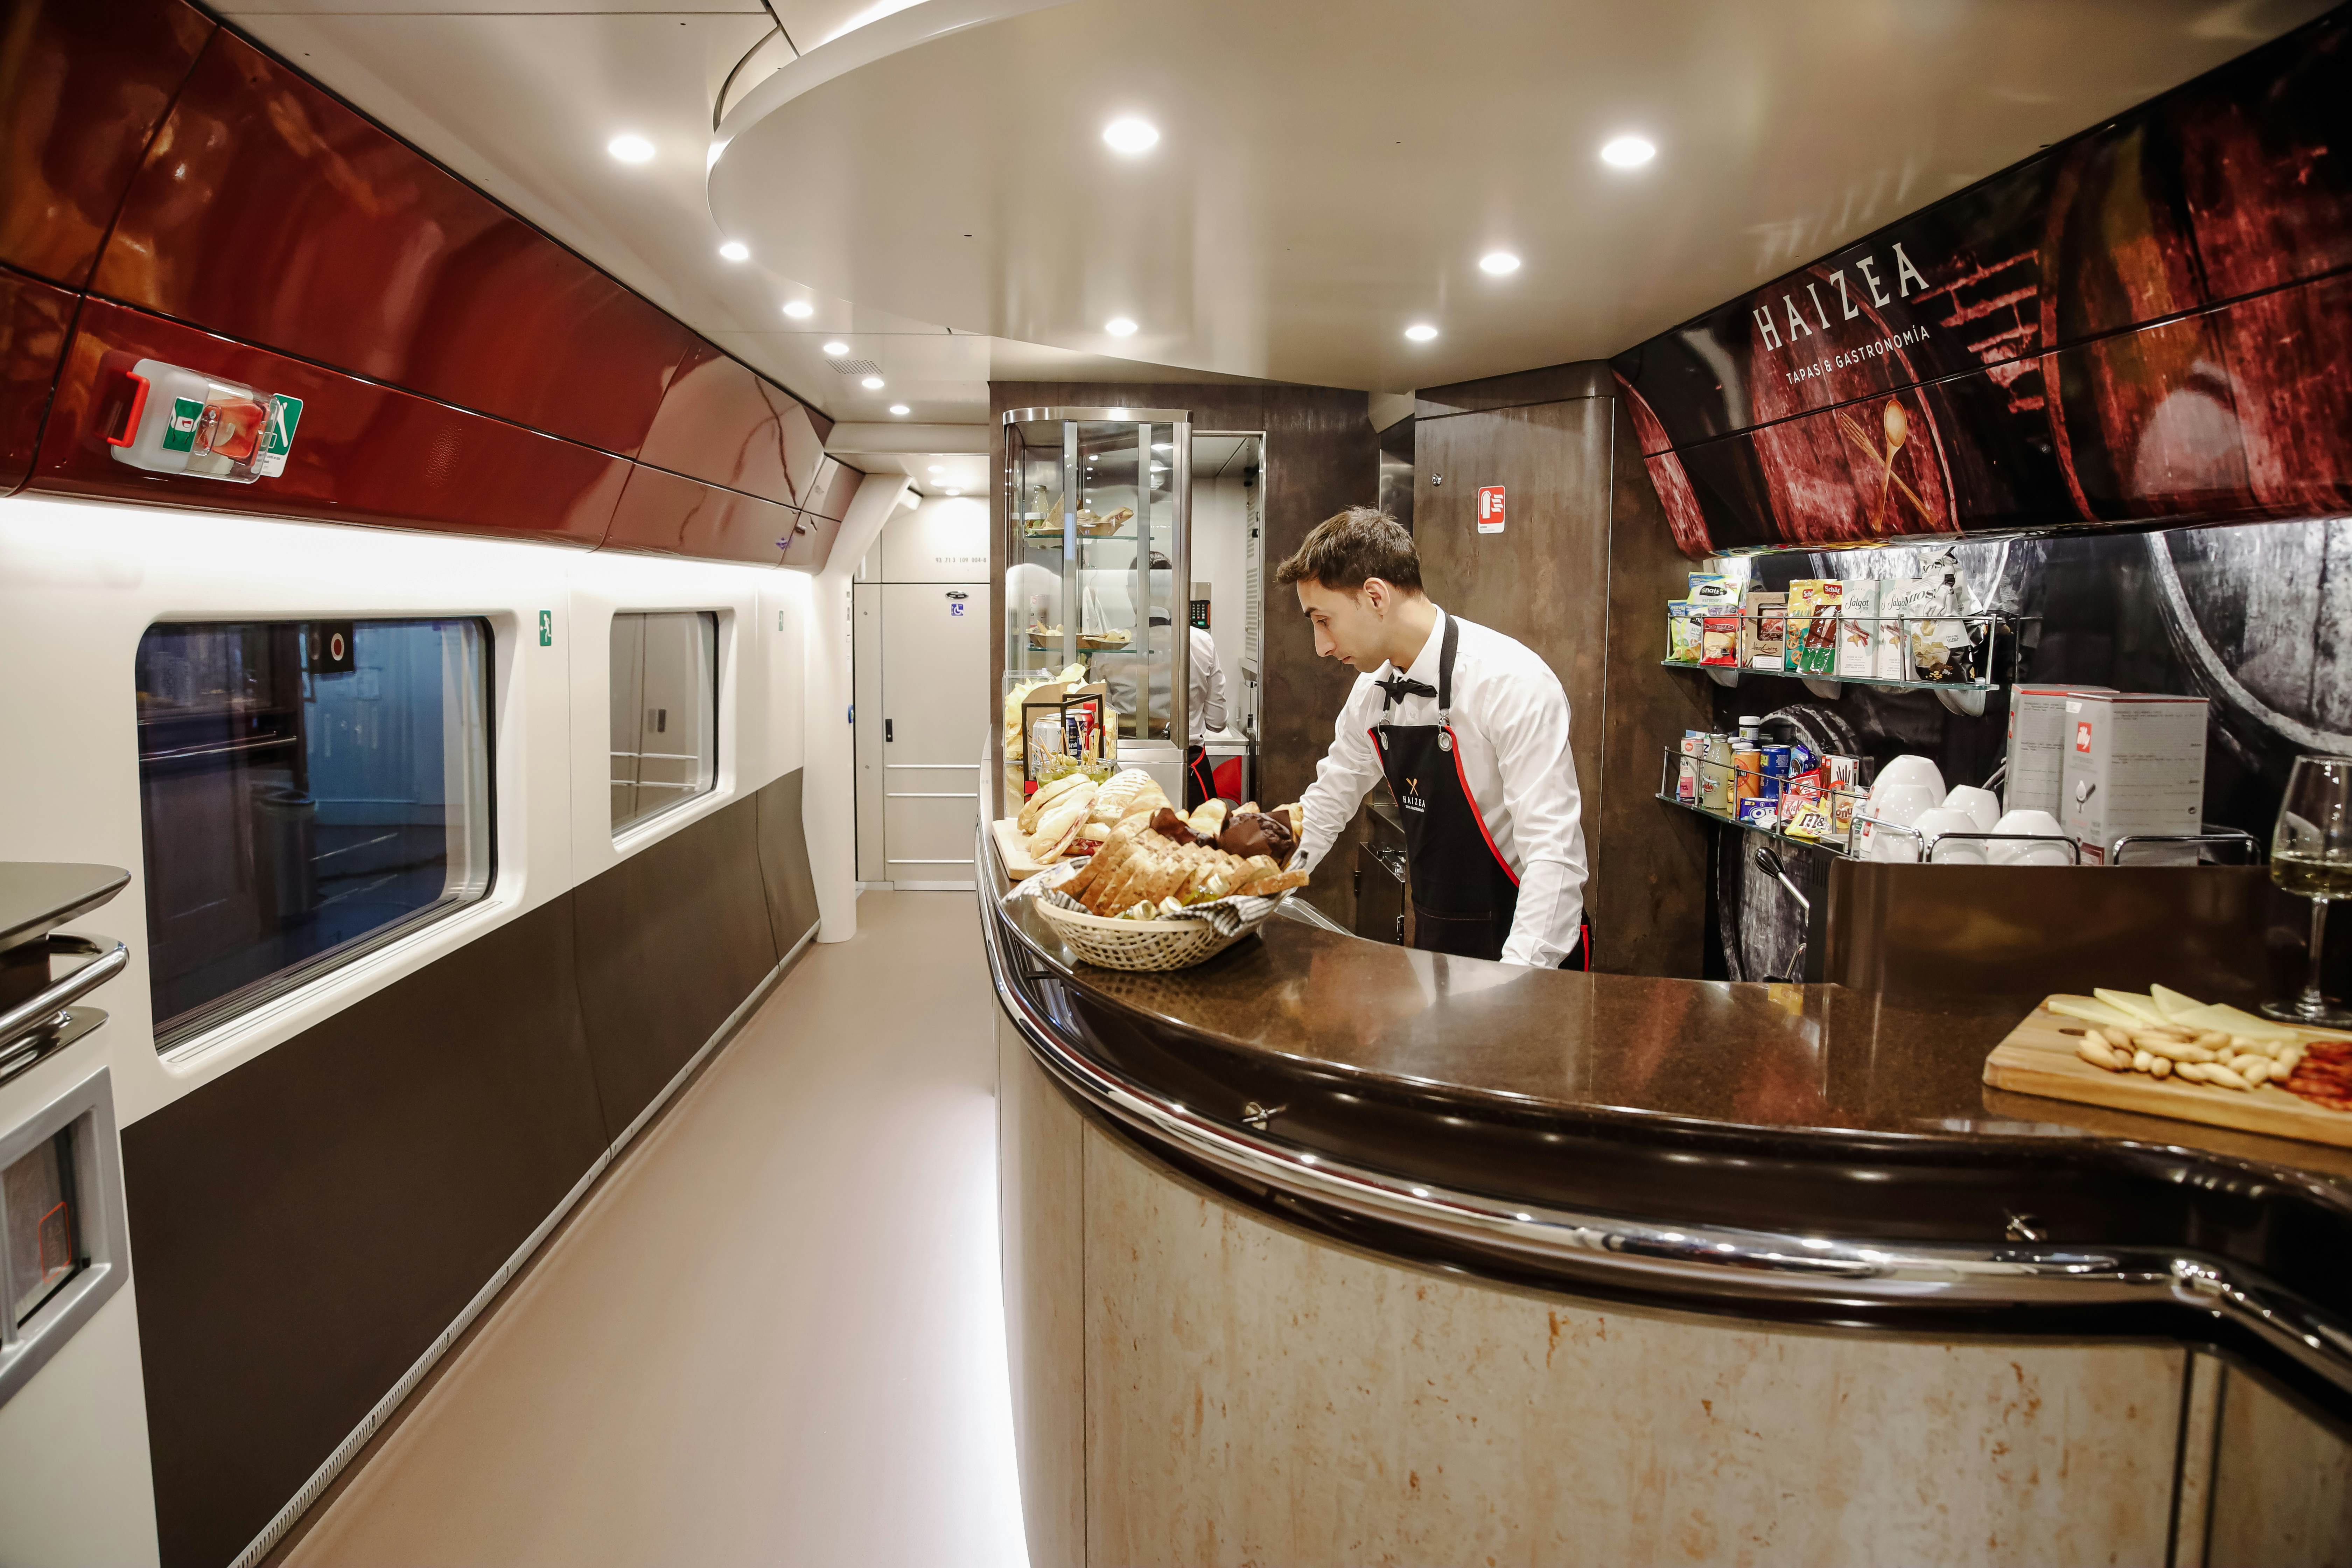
2134, 764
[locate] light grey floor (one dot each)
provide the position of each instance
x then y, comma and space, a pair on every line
774, 1334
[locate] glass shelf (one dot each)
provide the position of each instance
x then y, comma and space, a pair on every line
1761, 829
1053, 540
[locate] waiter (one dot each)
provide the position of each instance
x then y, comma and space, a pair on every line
1470, 730
1205, 687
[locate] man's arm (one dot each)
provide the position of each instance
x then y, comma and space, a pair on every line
1346, 771
1530, 739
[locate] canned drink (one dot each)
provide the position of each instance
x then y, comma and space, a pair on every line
1776, 771
1748, 758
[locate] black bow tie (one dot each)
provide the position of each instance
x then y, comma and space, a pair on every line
1401, 687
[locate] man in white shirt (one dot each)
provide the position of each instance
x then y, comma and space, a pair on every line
1470, 730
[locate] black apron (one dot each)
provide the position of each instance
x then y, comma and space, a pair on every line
1199, 784
1464, 894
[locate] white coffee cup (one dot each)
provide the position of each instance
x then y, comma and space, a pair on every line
1944, 819
1901, 805
2040, 824
1909, 771
1979, 803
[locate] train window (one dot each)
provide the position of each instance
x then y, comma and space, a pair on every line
665, 713
308, 790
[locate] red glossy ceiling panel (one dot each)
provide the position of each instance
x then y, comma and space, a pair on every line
836, 481
678, 516
721, 423
269, 211
83, 84
34, 317
363, 453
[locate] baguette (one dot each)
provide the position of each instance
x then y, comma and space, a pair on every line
1059, 847
1266, 887
1058, 824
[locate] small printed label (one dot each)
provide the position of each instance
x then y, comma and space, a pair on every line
180, 430
1490, 508
2083, 736
278, 435
547, 628
955, 609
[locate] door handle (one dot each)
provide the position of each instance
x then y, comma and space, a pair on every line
886, 731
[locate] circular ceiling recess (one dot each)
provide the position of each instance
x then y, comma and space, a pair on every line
1324, 177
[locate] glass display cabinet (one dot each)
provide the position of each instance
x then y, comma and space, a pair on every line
1098, 554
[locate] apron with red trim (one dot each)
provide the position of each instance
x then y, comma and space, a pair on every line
1464, 893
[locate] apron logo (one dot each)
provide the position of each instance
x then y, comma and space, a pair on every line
1413, 801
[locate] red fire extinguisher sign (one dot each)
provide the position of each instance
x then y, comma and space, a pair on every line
1490, 508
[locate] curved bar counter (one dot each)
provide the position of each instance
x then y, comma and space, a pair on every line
1805, 1161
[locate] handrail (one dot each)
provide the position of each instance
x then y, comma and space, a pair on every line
42, 1006
1701, 1260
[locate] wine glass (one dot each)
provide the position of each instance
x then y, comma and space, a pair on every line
2310, 857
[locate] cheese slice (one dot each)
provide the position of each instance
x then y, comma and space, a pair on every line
2091, 1011
2172, 1004
2142, 1008
2238, 1021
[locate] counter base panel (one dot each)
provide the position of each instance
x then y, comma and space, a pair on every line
1254, 1391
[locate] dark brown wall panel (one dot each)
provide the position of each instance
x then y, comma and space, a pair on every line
671, 940
679, 516
268, 211
1650, 860
34, 317
83, 84
721, 423
1545, 578
307, 1224
784, 861
363, 453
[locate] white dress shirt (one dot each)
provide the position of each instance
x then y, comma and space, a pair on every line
1205, 687
1510, 728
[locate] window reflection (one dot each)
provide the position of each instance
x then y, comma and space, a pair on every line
665, 713
308, 790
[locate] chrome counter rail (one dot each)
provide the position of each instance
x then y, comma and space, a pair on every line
1658, 1257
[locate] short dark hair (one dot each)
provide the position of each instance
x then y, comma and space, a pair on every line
1343, 551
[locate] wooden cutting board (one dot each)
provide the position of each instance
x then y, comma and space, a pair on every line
2038, 1057
1013, 848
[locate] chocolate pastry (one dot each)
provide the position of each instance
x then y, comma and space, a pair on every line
1255, 833
1169, 824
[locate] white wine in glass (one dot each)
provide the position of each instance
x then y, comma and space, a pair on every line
2310, 857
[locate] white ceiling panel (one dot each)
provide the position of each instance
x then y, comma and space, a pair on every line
1327, 175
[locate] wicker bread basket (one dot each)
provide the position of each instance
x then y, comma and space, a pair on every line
1149, 946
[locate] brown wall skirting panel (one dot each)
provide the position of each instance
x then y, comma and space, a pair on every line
784, 862
670, 942
306, 1226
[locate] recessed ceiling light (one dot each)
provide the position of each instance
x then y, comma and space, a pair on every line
900, 408
630, 149
872, 383
1628, 152
799, 310
955, 492
937, 469
1130, 135
735, 251
1421, 331
836, 348
1499, 262
1120, 327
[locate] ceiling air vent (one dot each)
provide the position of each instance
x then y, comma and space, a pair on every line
855, 366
